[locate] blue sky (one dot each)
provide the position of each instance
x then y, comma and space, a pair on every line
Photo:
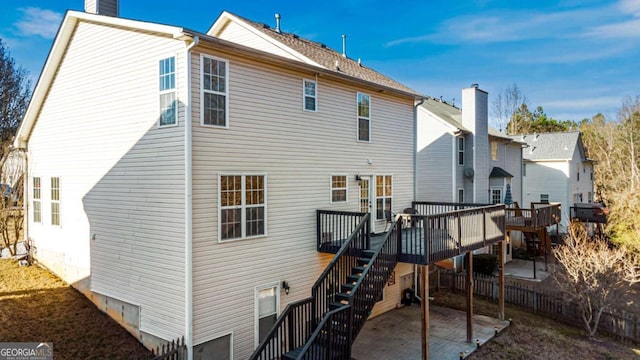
573, 57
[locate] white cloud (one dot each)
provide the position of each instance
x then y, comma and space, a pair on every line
40, 22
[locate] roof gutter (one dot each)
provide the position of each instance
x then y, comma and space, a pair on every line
188, 207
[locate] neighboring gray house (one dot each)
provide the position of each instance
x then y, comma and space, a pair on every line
174, 176
461, 159
556, 170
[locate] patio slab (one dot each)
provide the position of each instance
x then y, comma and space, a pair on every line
397, 334
523, 269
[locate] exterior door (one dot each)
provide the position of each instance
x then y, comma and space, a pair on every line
267, 305
366, 190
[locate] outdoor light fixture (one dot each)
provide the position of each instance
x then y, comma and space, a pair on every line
285, 286
358, 178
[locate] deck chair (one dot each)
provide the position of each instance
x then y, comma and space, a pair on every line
411, 221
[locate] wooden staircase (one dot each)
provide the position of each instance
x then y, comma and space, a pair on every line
325, 325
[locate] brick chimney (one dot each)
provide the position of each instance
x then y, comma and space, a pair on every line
102, 7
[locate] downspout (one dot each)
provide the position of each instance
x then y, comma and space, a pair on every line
415, 148
188, 213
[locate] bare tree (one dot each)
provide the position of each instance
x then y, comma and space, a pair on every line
593, 275
505, 105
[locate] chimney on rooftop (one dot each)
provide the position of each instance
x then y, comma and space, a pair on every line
344, 45
102, 7
278, 23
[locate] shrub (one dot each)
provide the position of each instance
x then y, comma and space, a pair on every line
485, 264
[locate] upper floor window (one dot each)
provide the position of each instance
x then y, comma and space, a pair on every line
243, 206
55, 201
577, 172
544, 198
494, 150
310, 98
37, 209
338, 188
364, 117
460, 151
168, 105
384, 196
524, 169
214, 92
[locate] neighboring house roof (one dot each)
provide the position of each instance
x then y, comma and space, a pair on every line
448, 113
499, 172
552, 146
313, 53
365, 76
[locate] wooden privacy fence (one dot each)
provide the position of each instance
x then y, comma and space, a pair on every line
616, 322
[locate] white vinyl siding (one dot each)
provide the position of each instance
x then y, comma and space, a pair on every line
243, 206
338, 188
270, 134
364, 117
55, 201
122, 177
37, 205
214, 95
168, 105
309, 95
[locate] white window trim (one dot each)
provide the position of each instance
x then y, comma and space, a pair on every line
243, 206
38, 200
501, 194
458, 151
376, 197
304, 95
256, 311
228, 333
174, 91
331, 188
226, 93
55, 201
358, 117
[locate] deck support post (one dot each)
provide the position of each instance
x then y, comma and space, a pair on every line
469, 293
424, 304
501, 277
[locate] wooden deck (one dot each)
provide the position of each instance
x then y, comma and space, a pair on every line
531, 220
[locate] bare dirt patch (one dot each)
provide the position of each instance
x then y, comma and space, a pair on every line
37, 306
535, 337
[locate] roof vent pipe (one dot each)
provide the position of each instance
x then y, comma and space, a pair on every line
344, 45
278, 23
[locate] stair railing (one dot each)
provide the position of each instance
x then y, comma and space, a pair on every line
368, 289
290, 331
332, 337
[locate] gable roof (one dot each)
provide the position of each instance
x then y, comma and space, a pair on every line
552, 146
448, 113
71, 19
311, 52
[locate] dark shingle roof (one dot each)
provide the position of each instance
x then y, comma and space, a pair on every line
550, 146
499, 172
327, 57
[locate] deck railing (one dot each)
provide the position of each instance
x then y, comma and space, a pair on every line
541, 215
335, 227
592, 214
331, 339
434, 237
291, 330
433, 207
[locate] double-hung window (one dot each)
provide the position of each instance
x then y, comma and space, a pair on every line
338, 188
496, 195
460, 151
494, 150
215, 104
37, 196
168, 104
55, 201
364, 117
384, 196
310, 95
242, 206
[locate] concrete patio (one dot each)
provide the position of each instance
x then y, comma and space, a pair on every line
523, 269
397, 334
